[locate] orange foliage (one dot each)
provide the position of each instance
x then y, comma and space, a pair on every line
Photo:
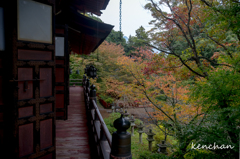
158, 83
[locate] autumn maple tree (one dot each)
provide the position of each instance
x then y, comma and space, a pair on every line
198, 63
195, 37
156, 84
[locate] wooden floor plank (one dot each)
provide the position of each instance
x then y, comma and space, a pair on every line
72, 140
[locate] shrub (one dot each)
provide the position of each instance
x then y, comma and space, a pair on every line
109, 121
109, 100
103, 97
200, 154
150, 155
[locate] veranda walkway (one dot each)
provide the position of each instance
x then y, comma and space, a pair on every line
72, 137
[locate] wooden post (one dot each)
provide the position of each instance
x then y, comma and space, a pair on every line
93, 120
93, 93
87, 83
84, 80
84, 86
87, 93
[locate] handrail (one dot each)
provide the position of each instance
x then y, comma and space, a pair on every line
116, 146
103, 138
105, 129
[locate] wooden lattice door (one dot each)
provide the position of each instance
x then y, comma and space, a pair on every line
29, 117
62, 71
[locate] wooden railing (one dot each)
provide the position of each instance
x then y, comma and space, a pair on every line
116, 146
102, 136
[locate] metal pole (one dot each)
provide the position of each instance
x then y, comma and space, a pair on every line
120, 19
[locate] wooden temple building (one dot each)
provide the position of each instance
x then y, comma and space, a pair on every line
36, 38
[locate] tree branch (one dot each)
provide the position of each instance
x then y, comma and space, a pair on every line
156, 123
221, 64
145, 93
179, 26
224, 47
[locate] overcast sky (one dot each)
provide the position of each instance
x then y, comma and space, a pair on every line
133, 15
